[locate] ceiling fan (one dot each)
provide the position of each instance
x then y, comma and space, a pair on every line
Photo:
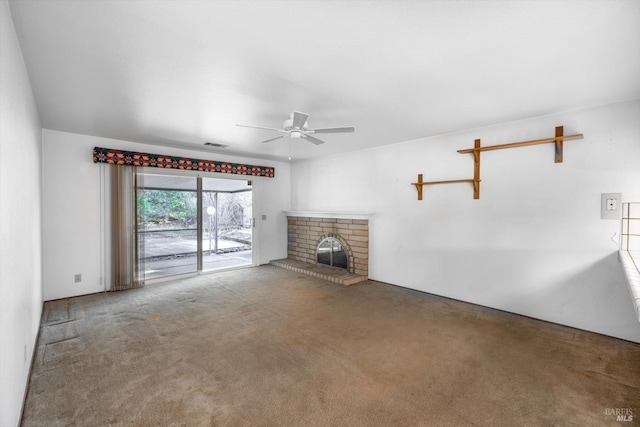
296, 127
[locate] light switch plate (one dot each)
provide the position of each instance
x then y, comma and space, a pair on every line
611, 206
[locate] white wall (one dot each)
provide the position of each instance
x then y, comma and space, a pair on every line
534, 243
72, 208
20, 223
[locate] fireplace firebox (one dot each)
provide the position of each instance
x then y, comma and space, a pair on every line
331, 252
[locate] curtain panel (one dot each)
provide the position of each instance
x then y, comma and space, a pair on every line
125, 273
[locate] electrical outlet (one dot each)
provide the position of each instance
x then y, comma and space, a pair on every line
610, 206
77, 278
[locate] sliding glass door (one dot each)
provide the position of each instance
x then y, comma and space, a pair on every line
189, 224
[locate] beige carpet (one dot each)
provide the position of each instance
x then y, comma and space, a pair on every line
269, 347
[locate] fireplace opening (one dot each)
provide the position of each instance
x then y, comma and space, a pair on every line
331, 252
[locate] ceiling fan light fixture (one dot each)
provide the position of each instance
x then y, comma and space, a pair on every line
295, 134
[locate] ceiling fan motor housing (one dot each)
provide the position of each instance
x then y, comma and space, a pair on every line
288, 125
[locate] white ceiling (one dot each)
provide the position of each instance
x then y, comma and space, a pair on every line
181, 73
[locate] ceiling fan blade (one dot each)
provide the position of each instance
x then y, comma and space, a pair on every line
333, 130
299, 119
260, 127
312, 139
273, 139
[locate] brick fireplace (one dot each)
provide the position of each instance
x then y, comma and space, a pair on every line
306, 230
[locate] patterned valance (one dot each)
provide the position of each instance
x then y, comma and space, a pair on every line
134, 158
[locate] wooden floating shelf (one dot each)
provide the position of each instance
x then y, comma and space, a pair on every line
450, 181
558, 140
420, 183
521, 144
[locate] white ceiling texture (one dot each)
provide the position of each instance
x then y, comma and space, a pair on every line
182, 73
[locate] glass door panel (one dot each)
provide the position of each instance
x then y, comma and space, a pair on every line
167, 225
227, 228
